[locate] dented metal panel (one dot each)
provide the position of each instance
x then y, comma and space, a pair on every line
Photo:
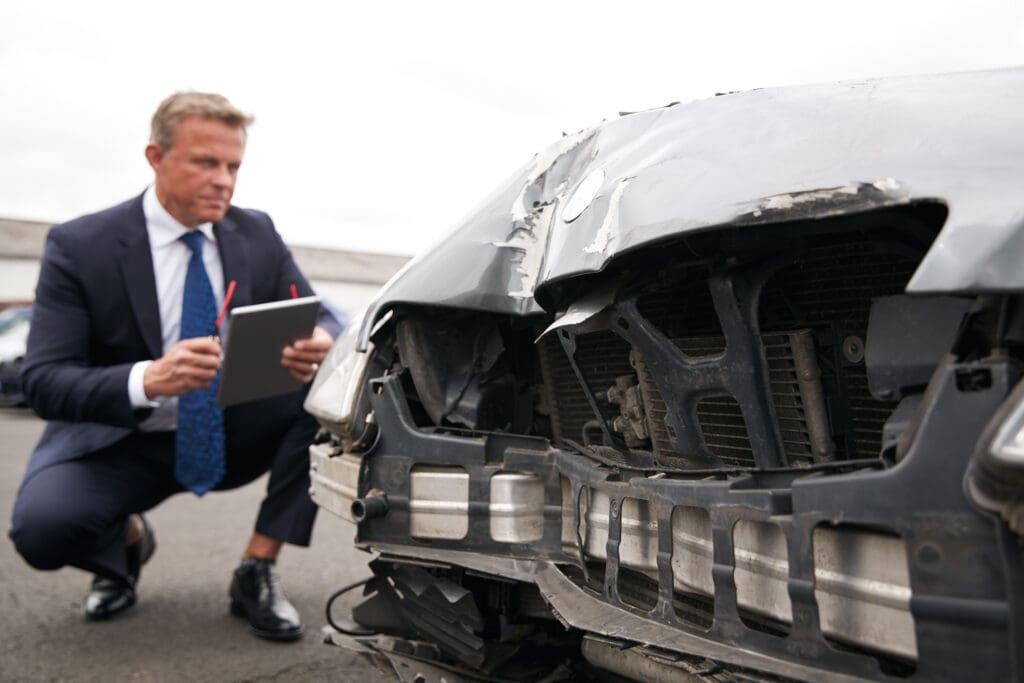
334, 479
745, 159
516, 507
438, 502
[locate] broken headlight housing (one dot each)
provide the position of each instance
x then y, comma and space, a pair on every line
334, 395
995, 479
1007, 447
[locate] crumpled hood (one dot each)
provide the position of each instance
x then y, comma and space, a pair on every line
743, 160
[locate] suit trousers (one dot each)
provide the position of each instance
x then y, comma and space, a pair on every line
75, 513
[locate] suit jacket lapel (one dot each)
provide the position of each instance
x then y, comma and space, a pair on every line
136, 262
234, 257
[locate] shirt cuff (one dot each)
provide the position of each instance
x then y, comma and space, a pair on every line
136, 388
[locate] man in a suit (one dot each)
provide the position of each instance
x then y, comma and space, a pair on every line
123, 362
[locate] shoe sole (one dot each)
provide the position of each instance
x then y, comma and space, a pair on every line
279, 636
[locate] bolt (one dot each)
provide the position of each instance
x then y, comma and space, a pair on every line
929, 555
853, 349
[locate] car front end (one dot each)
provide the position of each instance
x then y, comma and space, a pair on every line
725, 389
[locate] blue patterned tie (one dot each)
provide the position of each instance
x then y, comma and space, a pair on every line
199, 461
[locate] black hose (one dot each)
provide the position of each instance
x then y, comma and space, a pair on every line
330, 603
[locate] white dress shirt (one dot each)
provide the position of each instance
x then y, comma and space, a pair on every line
170, 264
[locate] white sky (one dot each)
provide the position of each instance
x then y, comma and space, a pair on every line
379, 125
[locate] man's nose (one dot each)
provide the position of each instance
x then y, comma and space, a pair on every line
223, 177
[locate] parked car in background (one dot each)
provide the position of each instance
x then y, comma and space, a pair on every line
723, 390
14, 325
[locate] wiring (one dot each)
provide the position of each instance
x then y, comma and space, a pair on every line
330, 604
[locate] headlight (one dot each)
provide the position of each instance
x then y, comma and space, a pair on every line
1008, 445
995, 477
332, 398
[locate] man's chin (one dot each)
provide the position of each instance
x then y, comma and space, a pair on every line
214, 215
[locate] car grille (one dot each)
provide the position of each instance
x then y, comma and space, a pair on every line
813, 312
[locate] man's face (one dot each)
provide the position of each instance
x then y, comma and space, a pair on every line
195, 175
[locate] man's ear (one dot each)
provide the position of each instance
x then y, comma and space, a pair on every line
154, 155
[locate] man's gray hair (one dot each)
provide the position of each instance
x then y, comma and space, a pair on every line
190, 103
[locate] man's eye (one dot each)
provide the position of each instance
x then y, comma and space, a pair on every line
206, 163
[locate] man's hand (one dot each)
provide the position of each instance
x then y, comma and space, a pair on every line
303, 357
190, 364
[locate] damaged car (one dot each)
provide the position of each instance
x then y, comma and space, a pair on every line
726, 390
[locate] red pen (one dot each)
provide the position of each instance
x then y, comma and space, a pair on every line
295, 292
224, 308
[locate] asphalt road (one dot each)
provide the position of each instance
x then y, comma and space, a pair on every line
180, 630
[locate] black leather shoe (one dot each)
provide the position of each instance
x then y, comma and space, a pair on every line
109, 597
256, 595
106, 598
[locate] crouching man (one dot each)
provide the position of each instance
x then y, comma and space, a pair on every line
122, 364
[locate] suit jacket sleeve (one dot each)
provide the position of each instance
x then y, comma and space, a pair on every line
62, 380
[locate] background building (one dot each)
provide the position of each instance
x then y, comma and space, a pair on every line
349, 280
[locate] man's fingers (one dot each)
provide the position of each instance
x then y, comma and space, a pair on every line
301, 365
302, 356
200, 345
190, 364
200, 352
309, 351
201, 360
320, 342
302, 370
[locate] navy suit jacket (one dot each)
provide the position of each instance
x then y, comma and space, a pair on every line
96, 314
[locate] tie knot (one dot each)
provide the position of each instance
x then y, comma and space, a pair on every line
194, 240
